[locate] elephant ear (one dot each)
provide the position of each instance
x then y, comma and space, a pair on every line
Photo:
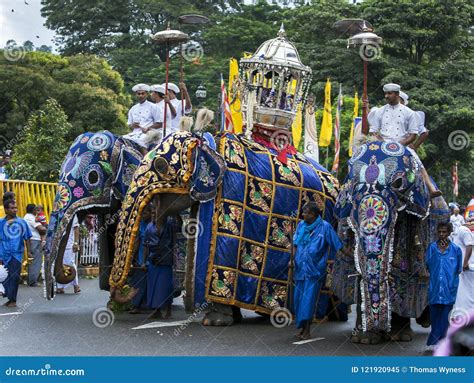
209, 168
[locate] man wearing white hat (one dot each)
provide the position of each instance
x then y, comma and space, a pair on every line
397, 122
158, 95
173, 90
142, 117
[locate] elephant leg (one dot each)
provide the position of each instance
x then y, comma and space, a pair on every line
219, 315
401, 330
106, 251
424, 319
359, 336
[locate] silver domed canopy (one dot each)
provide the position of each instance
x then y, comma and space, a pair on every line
278, 52
276, 84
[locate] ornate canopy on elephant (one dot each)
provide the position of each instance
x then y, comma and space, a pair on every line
98, 168
243, 246
384, 203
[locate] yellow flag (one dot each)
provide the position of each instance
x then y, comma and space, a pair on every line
234, 96
326, 126
356, 114
297, 127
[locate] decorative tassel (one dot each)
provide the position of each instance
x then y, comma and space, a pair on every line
203, 119
249, 115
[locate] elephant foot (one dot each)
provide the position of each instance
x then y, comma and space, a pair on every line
217, 319
222, 315
368, 337
403, 335
117, 296
424, 319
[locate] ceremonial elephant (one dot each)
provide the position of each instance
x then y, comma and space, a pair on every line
94, 178
383, 212
245, 201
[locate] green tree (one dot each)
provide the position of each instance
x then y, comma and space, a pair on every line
29, 46
90, 92
41, 150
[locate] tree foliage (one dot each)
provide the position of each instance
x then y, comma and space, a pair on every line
86, 87
427, 48
42, 147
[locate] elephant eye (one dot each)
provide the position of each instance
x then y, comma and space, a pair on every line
161, 165
397, 184
93, 177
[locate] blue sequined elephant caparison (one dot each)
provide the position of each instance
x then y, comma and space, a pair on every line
94, 176
382, 210
248, 203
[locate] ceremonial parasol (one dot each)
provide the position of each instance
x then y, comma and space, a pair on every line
169, 37
363, 36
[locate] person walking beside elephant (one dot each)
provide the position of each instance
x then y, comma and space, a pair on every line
37, 230
313, 240
139, 275
444, 262
160, 237
72, 247
14, 235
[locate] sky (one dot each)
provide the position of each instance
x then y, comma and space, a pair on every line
24, 23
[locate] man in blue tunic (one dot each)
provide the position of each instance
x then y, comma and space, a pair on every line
160, 237
139, 273
14, 233
314, 240
444, 262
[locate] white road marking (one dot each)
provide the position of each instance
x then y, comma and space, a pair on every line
308, 340
163, 324
15, 313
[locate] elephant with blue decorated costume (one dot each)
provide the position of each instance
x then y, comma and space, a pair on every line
245, 192
94, 178
385, 215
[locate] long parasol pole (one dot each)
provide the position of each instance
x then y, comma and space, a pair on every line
181, 76
365, 127
166, 85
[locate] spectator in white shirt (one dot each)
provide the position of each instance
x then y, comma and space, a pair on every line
463, 237
37, 230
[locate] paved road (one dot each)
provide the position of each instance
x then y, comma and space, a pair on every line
65, 326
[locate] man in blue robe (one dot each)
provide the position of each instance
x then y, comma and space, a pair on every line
444, 262
160, 237
14, 233
314, 240
139, 273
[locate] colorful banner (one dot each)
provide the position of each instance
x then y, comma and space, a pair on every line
297, 128
356, 113
337, 132
234, 96
455, 180
326, 125
311, 147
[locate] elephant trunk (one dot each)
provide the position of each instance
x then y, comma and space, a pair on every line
64, 274
117, 296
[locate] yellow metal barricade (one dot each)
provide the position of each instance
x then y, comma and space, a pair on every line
26, 192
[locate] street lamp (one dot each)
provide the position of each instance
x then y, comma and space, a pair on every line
201, 92
369, 49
